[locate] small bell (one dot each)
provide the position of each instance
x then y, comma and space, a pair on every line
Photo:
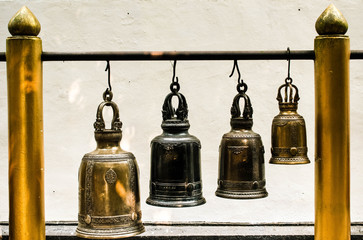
109, 201
175, 158
241, 155
288, 133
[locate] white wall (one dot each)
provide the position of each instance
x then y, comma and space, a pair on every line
73, 90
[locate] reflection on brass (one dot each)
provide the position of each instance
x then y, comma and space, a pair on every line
175, 159
332, 174
109, 201
288, 132
241, 157
26, 151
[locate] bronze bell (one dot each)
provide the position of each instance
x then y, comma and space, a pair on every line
175, 158
241, 156
109, 201
288, 133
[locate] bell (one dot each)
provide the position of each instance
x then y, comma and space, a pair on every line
288, 133
109, 201
241, 156
175, 159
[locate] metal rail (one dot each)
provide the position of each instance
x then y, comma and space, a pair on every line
182, 55
175, 55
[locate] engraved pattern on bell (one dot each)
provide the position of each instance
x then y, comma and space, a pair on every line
288, 131
109, 200
88, 187
175, 179
110, 176
241, 160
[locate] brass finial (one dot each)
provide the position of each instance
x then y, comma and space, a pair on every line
24, 23
331, 21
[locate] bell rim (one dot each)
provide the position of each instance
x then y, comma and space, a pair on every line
116, 157
173, 125
290, 160
108, 135
248, 194
110, 233
287, 106
241, 123
175, 203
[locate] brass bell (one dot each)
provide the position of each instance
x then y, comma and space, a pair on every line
241, 155
175, 158
109, 201
288, 132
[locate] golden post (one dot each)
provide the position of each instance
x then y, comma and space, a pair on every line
332, 173
25, 112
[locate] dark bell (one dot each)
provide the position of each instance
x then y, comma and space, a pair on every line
175, 159
241, 157
109, 200
288, 132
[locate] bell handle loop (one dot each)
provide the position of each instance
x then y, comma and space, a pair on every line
169, 112
116, 124
184, 101
247, 111
291, 99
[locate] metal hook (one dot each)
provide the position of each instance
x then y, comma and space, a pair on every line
235, 65
173, 79
241, 86
108, 68
174, 86
288, 79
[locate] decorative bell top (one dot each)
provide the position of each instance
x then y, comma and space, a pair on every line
114, 134
289, 102
246, 121
175, 119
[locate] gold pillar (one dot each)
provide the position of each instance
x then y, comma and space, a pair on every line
25, 111
332, 173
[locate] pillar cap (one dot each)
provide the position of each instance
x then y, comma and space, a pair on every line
331, 21
24, 23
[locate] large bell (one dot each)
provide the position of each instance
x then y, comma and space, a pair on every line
175, 159
288, 133
241, 157
109, 201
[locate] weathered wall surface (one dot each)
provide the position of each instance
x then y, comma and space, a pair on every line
73, 90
